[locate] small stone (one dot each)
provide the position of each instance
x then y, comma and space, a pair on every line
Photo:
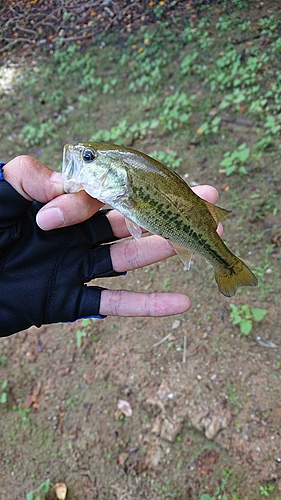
156, 429
170, 430
125, 408
176, 324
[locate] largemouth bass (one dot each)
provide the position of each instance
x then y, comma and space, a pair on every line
153, 197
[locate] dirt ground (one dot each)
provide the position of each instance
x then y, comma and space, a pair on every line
157, 408
205, 401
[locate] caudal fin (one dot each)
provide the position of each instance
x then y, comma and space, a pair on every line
232, 277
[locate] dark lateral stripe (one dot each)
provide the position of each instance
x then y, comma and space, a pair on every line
180, 226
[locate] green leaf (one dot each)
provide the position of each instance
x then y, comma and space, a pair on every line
229, 170
246, 311
154, 123
3, 398
79, 335
227, 162
246, 326
236, 319
258, 314
5, 384
244, 154
242, 171
45, 486
29, 496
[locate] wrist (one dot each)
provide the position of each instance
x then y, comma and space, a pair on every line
1, 170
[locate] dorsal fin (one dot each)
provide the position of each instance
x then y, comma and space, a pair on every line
217, 213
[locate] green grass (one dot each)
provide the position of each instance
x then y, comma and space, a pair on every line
64, 94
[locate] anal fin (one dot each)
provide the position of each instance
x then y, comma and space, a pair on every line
184, 254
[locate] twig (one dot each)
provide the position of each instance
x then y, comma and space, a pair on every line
238, 121
26, 30
184, 348
13, 42
249, 39
160, 341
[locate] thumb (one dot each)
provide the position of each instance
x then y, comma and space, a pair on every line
33, 180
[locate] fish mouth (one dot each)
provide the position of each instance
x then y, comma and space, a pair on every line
71, 168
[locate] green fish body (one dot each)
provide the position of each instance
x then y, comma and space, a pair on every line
153, 197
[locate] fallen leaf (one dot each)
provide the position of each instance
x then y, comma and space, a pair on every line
122, 458
206, 460
33, 398
60, 490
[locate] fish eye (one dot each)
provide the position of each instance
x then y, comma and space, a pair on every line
88, 155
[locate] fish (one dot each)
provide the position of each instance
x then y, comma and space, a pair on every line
154, 197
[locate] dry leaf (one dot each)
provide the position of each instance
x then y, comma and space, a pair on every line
60, 490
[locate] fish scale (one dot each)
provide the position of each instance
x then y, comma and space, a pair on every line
153, 197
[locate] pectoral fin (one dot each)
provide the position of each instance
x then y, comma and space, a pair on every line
184, 254
133, 228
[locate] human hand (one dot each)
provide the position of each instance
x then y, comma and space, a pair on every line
34, 181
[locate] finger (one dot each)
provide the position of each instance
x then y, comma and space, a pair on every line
132, 254
208, 193
35, 181
125, 303
32, 179
118, 224
66, 210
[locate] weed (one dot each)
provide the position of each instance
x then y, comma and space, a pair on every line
235, 160
171, 159
73, 401
36, 494
4, 392
266, 490
3, 361
79, 335
24, 413
232, 394
164, 489
269, 24
272, 124
210, 126
175, 111
167, 284
188, 64
244, 317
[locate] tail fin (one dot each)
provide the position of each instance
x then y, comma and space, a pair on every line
230, 278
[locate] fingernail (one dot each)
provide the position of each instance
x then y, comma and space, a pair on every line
56, 177
50, 218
